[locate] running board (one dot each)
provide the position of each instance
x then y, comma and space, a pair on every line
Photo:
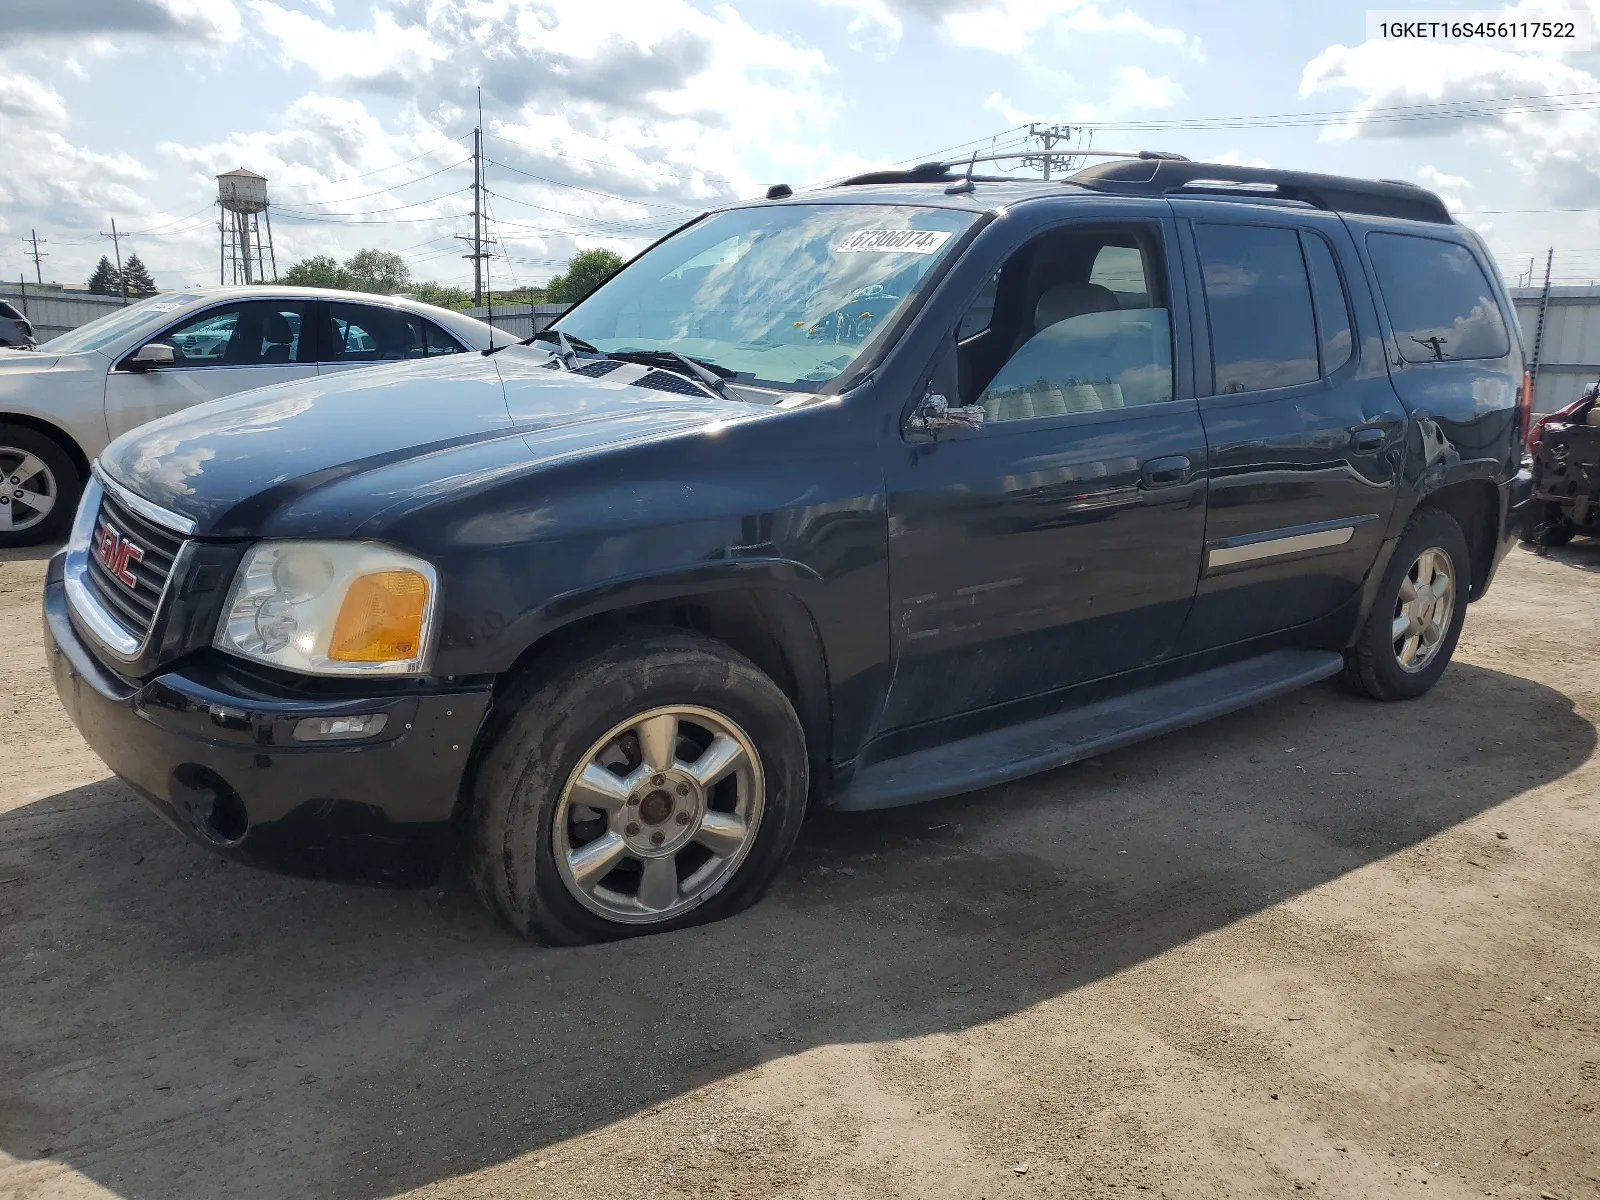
1079, 733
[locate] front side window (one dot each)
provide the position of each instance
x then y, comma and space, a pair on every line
1259, 300
1439, 300
789, 294
258, 333
1060, 338
367, 333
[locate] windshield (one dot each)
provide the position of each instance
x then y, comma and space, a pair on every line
118, 322
789, 294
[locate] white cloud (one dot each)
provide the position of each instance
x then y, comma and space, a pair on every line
181, 21
1450, 188
1236, 158
1008, 26
1558, 151
1138, 89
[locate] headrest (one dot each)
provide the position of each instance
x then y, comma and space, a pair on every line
1067, 300
275, 329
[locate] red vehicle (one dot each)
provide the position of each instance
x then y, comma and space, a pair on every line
1565, 446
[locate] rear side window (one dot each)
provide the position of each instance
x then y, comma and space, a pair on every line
1439, 300
1259, 300
363, 333
1333, 306
7, 311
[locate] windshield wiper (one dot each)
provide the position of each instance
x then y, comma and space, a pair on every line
713, 375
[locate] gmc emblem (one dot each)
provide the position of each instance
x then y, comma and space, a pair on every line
117, 554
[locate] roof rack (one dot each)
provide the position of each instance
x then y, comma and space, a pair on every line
1336, 193
946, 172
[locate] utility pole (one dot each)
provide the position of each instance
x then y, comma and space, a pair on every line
116, 245
38, 275
1047, 136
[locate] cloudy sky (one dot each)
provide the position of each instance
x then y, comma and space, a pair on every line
607, 121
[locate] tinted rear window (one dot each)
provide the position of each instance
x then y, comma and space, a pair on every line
7, 311
1259, 299
1438, 297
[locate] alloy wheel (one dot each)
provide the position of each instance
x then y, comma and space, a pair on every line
1423, 610
28, 490
658, 814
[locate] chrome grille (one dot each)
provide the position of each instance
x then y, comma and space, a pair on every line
134, 608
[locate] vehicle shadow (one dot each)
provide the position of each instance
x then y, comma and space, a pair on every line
1581, 552
178, 1026
27, 553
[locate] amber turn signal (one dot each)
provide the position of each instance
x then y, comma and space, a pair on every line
381, 618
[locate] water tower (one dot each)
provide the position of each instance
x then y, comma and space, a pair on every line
243, 250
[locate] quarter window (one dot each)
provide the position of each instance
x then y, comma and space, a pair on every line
1259, 300
1334, 336
1439, 300
254, 334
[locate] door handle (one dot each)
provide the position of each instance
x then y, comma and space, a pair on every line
1165, 472
1367, 440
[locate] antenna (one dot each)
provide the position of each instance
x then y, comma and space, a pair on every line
965, 184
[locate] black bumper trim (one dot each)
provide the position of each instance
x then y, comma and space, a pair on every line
376, 811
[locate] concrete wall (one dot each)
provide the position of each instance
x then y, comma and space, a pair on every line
52, 312
1569, 356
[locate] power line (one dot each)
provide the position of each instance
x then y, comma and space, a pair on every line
380, 170
659, 221
296, 212
596, 162
591, 191
394, 188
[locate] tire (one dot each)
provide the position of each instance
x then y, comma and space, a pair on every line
1374, 665
530, 815
36, 465
1548, 526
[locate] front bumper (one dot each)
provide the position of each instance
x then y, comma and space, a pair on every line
216, 759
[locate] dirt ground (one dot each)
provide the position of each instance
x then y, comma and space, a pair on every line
1323, 946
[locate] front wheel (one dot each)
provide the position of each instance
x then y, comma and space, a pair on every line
652, 784
1416, 620
39, 487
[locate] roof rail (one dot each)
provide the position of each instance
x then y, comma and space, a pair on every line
945, 172
1336, 193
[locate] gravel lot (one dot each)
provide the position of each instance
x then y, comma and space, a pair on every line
1324, 945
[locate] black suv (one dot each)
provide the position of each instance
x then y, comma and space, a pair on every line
856, 498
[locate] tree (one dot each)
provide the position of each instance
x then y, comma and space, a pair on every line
137, 277
442, 294
319, 272
105, 281
381, 271
587, 271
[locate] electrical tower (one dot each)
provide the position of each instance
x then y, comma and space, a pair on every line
244, 229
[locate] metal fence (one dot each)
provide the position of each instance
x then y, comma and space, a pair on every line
520, 320
54, 312
1567, 350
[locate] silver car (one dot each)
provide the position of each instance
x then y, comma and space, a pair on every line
16, 331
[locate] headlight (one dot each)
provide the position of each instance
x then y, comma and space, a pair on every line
331, 608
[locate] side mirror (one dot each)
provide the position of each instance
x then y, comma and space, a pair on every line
152, 354
934, 416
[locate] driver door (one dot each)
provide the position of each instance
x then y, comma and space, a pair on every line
230, 348
1061, 541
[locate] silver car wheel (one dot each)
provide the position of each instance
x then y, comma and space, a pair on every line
659, 814
1423, 610
28, 490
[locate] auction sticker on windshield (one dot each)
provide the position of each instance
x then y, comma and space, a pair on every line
894, 241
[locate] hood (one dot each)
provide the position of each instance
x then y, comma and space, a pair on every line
357, 443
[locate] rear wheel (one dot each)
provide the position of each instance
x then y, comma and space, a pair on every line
1416, 620
39, 487
648, 785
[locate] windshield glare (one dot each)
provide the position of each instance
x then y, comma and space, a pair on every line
118, 322
790, 294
